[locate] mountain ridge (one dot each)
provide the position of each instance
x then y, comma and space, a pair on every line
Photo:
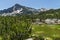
17, 7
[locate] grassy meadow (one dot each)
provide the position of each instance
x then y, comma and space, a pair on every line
46, 30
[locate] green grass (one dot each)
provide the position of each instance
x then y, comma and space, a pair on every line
46, 30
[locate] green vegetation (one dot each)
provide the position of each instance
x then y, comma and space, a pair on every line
20, 27
45, 30
13, 28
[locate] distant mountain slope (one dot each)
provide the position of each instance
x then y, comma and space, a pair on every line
18, 7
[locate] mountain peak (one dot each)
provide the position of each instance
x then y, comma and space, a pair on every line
16, 7
17, 4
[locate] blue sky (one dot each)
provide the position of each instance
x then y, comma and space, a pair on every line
4, 4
